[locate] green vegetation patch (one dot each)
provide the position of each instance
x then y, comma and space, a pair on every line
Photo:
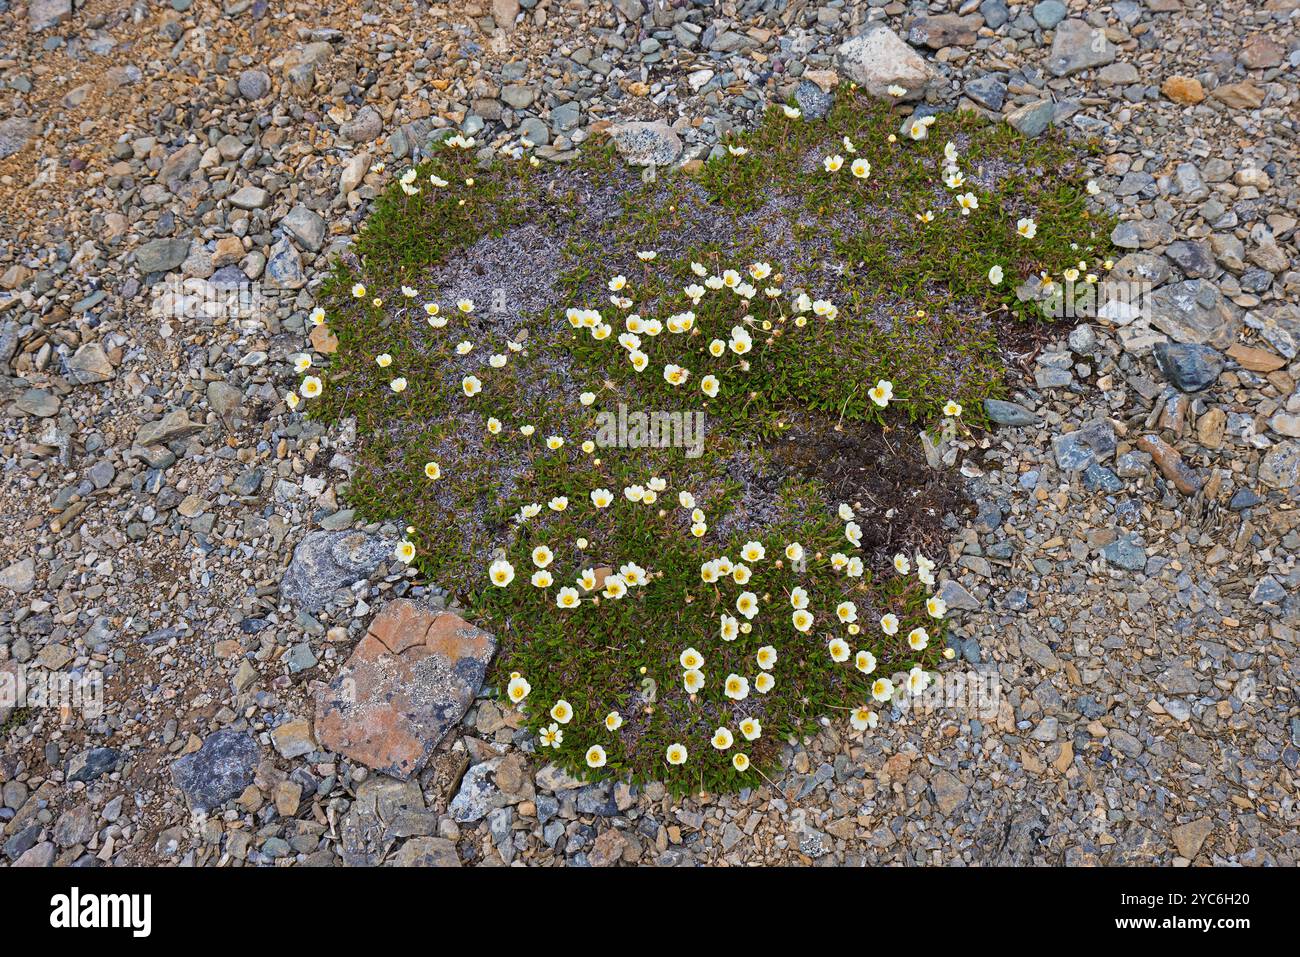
659, 433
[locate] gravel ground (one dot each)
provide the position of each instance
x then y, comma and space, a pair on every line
1129, 585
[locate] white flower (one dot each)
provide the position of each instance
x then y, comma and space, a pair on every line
936, 606
740, 761
790, 112
952, 409
676, 754
471, 385
601, 497
832, 164
882, 689
405, 552
839, 650
551, 736
736, 687
567, 598
889, 623
847, 612
398, 384
751, 729
794, 552
730, 628
967, 201
802, 620
764, 683
722, 739
517, 690
562, 711
691, 660
863, 718
311, 387
901, 564
542, 556
747, 604
1027, 227
613, 721
501, 572
766, 657
995, 275
595, 756
542, 579
865, 662
692, 681
917, 680
860, 168
918, 639
882, 392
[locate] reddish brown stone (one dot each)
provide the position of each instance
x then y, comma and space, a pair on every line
1171, 464
1256, 360
407, 684
1183, 89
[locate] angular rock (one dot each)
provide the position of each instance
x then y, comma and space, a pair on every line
161, 255
647, 144
1032, 118
20, 577
1093, 441
325, 561
410, 679
90, 364
1076, 47
172, 426
364, 127
1171, 464
219, 770
813, 100
1189, 367
945, 30
306, 226
988, 91
364, 830
1009, 413
14, 134
91, 765
43, 14
877, 59
1194, 311
1280, 466
1186, 90
427, 852
1240, 96
1190, 837
949, 792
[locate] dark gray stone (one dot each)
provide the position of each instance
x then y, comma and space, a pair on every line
1189, 367
1009, 413
218, 771
324, 562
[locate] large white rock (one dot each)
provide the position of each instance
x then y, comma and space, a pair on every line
877, 59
